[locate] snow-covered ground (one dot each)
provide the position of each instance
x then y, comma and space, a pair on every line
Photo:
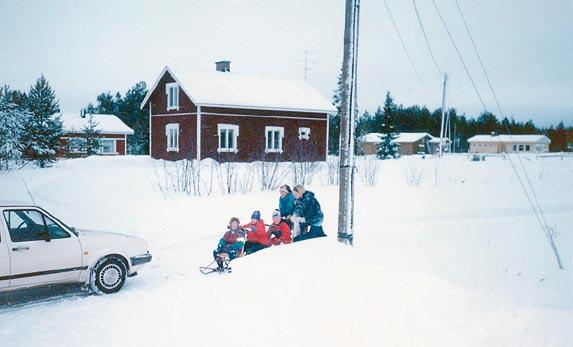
458, 259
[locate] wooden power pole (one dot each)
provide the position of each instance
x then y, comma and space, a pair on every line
347, 118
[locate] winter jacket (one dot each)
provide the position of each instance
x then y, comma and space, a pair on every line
308, 207
286, 205
257, 232
279, 234
232, 241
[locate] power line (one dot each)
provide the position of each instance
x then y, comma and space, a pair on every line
408, 53
478, 56
426, 39
459, 55
535, 206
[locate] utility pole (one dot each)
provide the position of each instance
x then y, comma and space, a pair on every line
443, 115
347, 117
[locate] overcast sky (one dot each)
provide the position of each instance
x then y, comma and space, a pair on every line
86, 47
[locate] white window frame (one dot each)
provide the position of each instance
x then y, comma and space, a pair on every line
274, 130
226, 127
172, 142
303, 133
168, 88
113, 147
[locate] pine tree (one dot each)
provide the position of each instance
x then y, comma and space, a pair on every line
334, 120
91, 134
12, 120
388, 148
363, 127
43, 129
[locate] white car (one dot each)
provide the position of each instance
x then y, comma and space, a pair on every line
38, 249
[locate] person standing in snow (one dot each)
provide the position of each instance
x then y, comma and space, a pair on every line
307, 214
286, 203
279, 231
257, 236
231, 244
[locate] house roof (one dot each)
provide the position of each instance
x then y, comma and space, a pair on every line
106, 123
411, 137
229, 89
372, 137
510, 138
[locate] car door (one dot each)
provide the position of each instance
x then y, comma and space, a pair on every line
41, 250
4, 259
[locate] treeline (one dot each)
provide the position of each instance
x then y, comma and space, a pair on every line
395, 118
29, 131
127, 109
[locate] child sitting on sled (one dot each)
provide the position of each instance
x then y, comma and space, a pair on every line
279, 231
230, 245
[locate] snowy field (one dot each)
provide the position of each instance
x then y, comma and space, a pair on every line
447, 253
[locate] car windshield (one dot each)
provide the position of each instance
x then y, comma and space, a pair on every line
72, 229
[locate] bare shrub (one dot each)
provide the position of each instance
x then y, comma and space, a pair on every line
333, 165
183, 176
232, 181
413, 173
368, 169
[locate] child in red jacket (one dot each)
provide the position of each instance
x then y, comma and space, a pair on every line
279, 231
257, 236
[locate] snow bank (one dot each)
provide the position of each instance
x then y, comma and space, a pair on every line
456, 259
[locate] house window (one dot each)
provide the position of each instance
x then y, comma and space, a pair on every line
107, 146
228, 134
521, 147
274, 139
303, 133
527, 148
515, 148
172, 91
172, 133
77, 145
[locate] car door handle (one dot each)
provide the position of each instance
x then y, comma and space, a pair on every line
20, 248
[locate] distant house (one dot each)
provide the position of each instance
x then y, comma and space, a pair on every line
508, 144
409, 143
232, 117
112, 134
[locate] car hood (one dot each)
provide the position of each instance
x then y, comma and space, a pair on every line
132, 245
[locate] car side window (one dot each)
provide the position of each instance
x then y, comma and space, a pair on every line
55, 230
25, 225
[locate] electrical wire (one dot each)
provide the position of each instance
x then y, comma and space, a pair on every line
460, 56
408, 53
426, 39
535, 205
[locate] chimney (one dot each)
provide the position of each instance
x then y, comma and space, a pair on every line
223, 66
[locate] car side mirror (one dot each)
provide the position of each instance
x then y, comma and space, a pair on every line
46, 236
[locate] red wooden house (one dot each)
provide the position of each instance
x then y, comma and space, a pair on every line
233, 117
112, 134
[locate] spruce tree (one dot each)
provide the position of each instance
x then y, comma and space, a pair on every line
334, 120
12, 120
387, 148
44, 128
91, 134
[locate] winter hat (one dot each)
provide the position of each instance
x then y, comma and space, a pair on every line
234, 219
299, 189
276, 213
285, 188
256, 215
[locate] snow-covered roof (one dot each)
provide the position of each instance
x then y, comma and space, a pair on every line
508, 138
372, 137
106, 123
437, 140
230, 89
411, 137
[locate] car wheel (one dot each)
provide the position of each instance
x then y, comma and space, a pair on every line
109, 275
